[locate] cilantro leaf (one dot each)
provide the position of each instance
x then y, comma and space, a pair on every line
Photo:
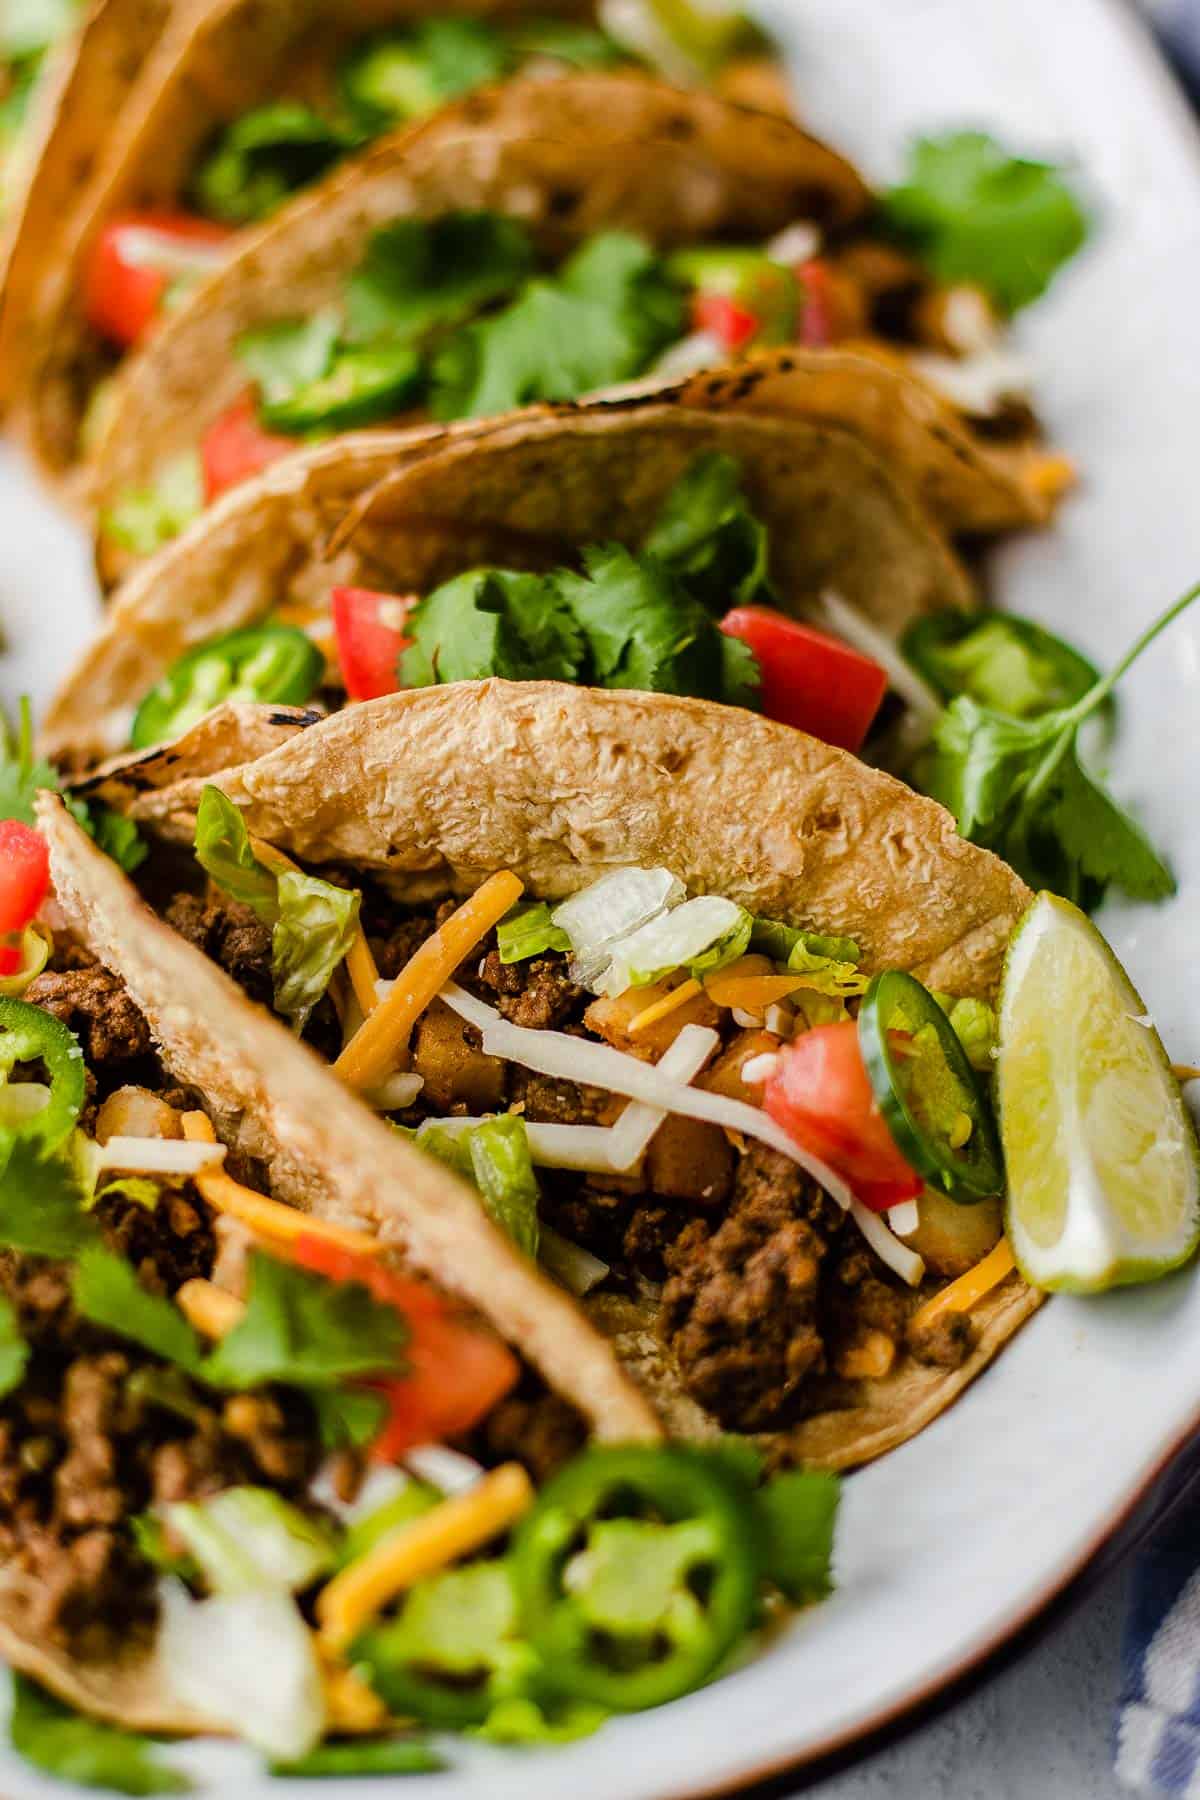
708, 537
348, 1418
492, 622
118, 837
1017, 786
42, 1205
266, 155
21, 774
304, 1330
106, 1290
1103, 840
420, 273
642, 629
70, 1747
979, 214
602, 319
401, 75
797, 1514
741, 677
14, 1351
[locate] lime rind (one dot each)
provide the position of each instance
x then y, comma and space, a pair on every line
1102, 1155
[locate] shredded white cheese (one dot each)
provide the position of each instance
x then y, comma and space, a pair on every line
630, 1137
760, 1068
158, 1156
904, 1218
796, 243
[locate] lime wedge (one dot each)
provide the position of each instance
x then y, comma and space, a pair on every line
1102, 1158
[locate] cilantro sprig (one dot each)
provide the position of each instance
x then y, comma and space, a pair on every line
977, 213
1019, 786
23, 775
644, 619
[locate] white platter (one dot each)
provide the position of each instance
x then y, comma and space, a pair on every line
950, 1545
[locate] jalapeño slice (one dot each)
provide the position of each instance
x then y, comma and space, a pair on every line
29, 1035
927, 1091
274, 663
636, 1572
367, 383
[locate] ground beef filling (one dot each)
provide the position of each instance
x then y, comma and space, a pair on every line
99, 1431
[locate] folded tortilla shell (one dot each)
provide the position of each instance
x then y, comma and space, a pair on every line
411, 509
327, 1153
431, 790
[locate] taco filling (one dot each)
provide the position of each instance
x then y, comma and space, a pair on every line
460, 317
256, 1476
764, 1170
691, 610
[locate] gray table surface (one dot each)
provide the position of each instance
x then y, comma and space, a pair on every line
1039, 1731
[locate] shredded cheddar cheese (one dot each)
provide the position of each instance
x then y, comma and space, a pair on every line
752, 993
663, 1007
269, 1218
459, 1525
212, 1310
1050, 476
969, 1289
360, 966
380, 1043
353, 1707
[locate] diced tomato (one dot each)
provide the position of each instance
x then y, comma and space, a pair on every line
24, 882
369, 628
456, 1370
732, 324
235, 447
809, 680
816, 317
136, 259
820, 1093
24, 873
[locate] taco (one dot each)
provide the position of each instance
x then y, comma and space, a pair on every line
228, 119
66, 70
717, 505
181, 1173
743, 899
340, 311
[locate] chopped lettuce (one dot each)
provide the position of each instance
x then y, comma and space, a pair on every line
313, 922
316, 926
142, 519
529, 931
250, 1537
977, 213
701, 935
976, 1027
602, 319
494, 1156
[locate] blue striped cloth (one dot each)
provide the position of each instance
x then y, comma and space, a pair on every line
1157, 1747
1158, 1717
